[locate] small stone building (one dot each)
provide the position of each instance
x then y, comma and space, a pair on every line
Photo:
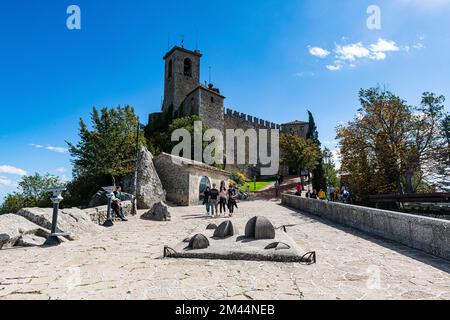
184, 179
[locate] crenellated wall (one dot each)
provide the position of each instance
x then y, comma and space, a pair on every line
251, 120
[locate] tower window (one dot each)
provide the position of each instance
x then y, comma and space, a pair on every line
212, 99
170, 69
188, 67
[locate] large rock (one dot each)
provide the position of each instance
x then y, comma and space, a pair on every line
98, 214
73, 221
159, 212
149, 186
18, 231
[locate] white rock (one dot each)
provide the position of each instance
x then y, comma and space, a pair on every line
14, 228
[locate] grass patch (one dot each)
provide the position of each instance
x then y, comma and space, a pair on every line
259, 185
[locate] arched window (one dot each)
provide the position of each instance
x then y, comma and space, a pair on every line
188, 67
170, 69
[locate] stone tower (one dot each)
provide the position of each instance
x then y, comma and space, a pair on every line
181, 76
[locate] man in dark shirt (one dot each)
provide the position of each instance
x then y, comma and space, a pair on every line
214, 200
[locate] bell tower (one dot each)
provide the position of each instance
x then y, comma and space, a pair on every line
181, 76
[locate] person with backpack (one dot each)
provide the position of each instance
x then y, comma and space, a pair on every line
214, 200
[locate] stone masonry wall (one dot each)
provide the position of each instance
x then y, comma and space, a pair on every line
422, 233
174, 178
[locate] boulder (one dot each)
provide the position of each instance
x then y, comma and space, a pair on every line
149, 187
211, 226
73, 221
159, 212
16, 230
224, 230
98, 214
198, 242
259, 228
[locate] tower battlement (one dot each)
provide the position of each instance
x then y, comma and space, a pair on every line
251, 120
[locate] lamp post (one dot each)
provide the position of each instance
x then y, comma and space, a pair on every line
56, 199
109, 194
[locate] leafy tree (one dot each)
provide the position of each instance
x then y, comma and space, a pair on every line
109, 148
32, 193
391, 146
318, 174
299, 153
183, 123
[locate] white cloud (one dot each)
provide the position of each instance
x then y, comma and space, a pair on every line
5, 182
384, 46
12, 170
50, 148
61, 170
57, 149
319, 52
334, 67
351, 52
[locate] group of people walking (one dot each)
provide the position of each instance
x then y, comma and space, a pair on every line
217, 201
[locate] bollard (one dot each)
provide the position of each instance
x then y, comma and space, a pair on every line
109, 194
56, 199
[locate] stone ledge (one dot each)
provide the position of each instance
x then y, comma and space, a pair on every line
426, 234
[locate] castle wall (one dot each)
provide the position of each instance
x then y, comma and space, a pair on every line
235, 120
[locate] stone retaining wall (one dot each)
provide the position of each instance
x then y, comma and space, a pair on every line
427, 234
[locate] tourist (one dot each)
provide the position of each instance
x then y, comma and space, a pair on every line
223, 199
116, 203
214, 200
298, 188
231, 200
314, 194
322, 195
277, 188
206, 198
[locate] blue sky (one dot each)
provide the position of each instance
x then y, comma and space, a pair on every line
273, 59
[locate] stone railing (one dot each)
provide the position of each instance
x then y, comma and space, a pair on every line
427, 234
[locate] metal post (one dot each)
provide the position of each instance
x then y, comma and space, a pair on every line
136, 167
56, 199
109, 194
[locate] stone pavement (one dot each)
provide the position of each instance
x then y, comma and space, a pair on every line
125, 262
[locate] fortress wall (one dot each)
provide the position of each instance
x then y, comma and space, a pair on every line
250, 121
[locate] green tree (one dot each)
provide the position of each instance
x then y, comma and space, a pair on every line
183, 123
32, 193
393, 147
299, 153
319, 180
109, 148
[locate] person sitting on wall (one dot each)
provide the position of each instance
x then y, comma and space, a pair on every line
298, 189
322, 195
116, 203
